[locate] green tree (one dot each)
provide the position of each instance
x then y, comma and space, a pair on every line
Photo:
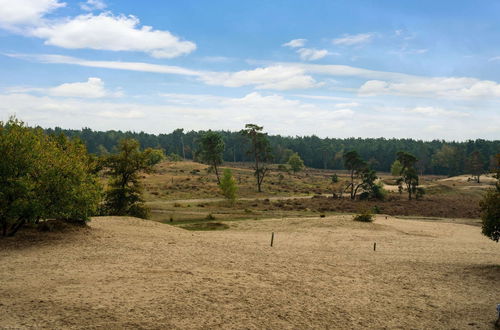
448, 157
408, 172
296, 163
43, 177
228, 186
211, 150
260, 151
475, 165
396, 168
355, 165
123, 196
490, 208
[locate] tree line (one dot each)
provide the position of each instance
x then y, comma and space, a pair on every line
50, 176
433, 157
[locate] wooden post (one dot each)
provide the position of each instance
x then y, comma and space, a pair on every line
272, 239
497, 323
374, 246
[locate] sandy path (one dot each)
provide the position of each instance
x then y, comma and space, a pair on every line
321, 273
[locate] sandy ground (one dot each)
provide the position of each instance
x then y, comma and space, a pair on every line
321, 273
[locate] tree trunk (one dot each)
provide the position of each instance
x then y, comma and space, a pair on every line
17, 226
217, 173
352, 184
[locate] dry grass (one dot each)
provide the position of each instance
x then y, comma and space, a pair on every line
321, 273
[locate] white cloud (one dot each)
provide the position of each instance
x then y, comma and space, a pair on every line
496, 58
347, 105
437, 112
286, 76
91, 5
310, 54
278, 115
448, 87
92, 88
295, 43
129, 66
121, 115
272, 77
30, 12
353, 39
116, 33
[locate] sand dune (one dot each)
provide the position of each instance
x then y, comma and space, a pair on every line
321, 273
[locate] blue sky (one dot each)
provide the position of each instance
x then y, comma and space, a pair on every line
419, 69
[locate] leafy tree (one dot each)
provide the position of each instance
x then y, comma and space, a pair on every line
475, 165
43, 177
260, 151
355, 165
408, 172
490, 208
211, 150
228, 186
123, 196
448, 157
396, 168
296, 163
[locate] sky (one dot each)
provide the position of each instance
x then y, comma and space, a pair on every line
403, 69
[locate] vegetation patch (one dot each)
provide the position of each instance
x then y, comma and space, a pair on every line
364, 217
204, 226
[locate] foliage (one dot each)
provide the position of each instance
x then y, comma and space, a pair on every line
314, 151
228, 186
475, 165
335, 178
43, 177
173, 157
419, 193
296, 163
283, 168
409, 175
211, 149
260, 150
396, 168
123, 196
365, 216
490, 208
356, 166
449, 158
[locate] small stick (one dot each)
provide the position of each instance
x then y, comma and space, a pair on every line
374, 246
272, 239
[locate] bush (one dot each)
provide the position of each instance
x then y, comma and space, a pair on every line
365, 216
44, 177
490, 214
420, 192
228, 186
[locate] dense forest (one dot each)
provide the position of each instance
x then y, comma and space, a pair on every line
434, 157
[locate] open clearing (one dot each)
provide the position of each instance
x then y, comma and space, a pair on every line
321, 273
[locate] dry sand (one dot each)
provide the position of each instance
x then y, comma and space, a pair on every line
321, 273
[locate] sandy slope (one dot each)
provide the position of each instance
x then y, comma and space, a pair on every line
321, 273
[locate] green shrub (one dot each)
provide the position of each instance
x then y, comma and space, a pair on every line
490, 214
365, 216
228, 186
44, 177
420, 192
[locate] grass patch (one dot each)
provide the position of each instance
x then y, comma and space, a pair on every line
204, 226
